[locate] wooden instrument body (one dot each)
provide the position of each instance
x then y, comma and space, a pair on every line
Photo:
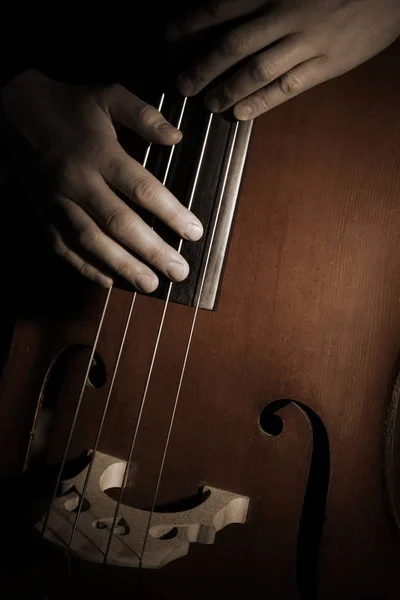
308, 311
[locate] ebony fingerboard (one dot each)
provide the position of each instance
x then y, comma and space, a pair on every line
221, 170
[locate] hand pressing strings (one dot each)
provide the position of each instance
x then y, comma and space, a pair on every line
297, 45
72, 130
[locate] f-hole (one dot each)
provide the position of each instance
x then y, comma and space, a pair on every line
97, 373
315, 497
71, 359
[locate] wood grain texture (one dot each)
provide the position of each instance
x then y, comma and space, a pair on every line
309, 312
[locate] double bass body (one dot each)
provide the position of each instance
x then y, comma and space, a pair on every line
287, 384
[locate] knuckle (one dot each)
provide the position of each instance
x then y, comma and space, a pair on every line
125, 271
290, 84
156, 256
94, 154
89, 199
234, 44
260, 104
198, 76
228, 96
87, 237
88, 104
87, 271
262, 71
76, 166
112, 91
115, 88
65, 174
144, 190
119, 226
116, 167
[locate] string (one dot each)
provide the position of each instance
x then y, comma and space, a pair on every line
160, 328
188, 344
114, 374
86, 377
75, 417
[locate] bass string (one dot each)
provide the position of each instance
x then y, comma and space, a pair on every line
155, 350
116, 366
75, 417
86, 376
183, 370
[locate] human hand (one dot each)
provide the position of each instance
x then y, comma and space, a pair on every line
71, 129
296, 45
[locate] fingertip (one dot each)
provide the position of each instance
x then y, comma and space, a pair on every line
213, 104
175, 137
243, 112
146, 282
194, 231
105, 282
172, 134
185, 86
177, 270
98, 277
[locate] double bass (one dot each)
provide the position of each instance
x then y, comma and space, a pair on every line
236, 434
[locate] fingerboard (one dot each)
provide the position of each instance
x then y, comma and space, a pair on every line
214, 198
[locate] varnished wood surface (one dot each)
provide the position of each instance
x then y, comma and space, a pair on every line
308, 311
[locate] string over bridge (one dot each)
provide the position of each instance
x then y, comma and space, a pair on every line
170, 534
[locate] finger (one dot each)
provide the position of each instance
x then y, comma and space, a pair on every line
209, 14
259, 72
233, 47
101, 249
125, 226
83, 267
129, 110
291, 84
141, 187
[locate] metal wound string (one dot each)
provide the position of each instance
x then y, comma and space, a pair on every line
160, 328
188, 344
116, 366
86, 377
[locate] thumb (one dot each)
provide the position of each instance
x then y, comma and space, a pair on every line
129, 110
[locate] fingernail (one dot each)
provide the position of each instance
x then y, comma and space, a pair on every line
243, 112
194, 231
213, 105
166, 128
177, 270
185, 86
147, 283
